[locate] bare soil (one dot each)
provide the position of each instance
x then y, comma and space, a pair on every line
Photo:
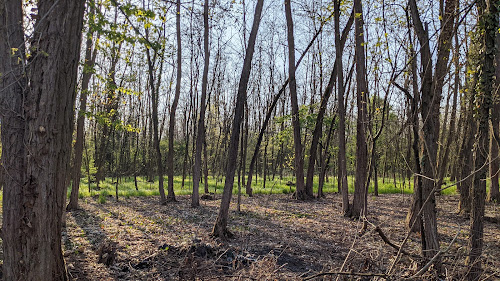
276, 238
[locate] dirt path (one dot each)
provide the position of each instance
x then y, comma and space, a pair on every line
275, 238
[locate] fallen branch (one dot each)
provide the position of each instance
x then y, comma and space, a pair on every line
389, 242
383, 275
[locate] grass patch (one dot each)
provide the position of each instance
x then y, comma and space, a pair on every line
127, 187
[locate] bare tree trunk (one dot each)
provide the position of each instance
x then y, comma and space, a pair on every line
413, 219
220, 226
173, 109
155, 97
432, 87
494, 194
301, 193
488, 13
200, 136
359, 206
342, 169
90, 57
37, 130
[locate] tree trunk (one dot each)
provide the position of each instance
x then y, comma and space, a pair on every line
200, 136
220, 226
494, 194
359, 206
342, 169
173, 109
80, 134
488, 14
301, 193
155, 97
36, 135
431, 98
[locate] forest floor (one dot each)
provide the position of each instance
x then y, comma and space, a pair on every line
276, 238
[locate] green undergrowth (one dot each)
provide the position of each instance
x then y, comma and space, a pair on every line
127, 188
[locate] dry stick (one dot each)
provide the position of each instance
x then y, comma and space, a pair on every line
389, 242
385, 276
426, 267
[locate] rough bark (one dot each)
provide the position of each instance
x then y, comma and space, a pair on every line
220, 226
33, 199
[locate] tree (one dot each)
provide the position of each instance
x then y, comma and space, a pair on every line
359, 205
431, 89
301, 192
90, 56
173, 109
155, 98
494, 194
36, 134
342, 169
200, 137
488, 24
220, 226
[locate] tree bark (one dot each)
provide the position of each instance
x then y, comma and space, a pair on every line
36, 135
220, 226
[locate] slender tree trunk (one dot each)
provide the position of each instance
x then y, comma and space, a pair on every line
200, 136
173, 109
205, 156
77, 162
220, 226
37, 126
342, 169
359, 206
301, 193
154, 118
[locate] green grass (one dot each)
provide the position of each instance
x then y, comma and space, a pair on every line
126, 187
